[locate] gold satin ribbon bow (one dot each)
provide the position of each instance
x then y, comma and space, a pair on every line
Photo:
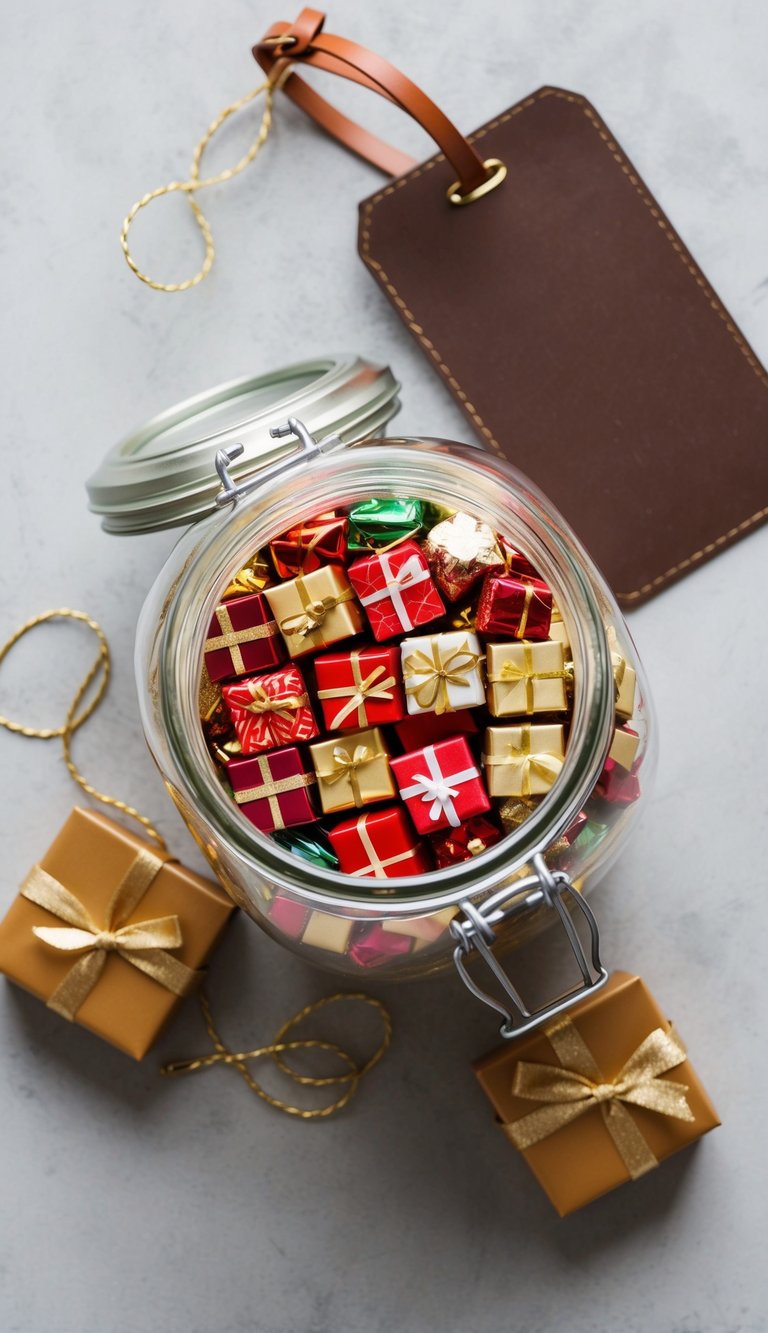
431, 693
577, 1085
143, 944
512, 673
546, 766
271, 708
315, 610
232, 638
357, 694
346, 765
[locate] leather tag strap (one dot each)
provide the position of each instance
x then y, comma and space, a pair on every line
304, 42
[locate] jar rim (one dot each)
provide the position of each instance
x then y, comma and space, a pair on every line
389, 467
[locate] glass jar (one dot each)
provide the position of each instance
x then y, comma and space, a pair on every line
425, 914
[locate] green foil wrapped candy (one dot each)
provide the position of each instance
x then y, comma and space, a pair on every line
310, 844
376, 524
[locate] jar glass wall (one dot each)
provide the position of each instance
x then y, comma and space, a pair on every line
319, 912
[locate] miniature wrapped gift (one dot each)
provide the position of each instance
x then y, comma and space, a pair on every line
320, 541
326, 931
624, 747
374, 946
523, 761
616, 786
599, 1097
518, 608
426, 728
625, 677
272, 789
315, 610
216, 720
443, 672
352, 770
396, 590
288, 916
110, 932
242, 638
461, 550
379, 845
515, 563
378, 524
253, 577
525, 678
441, 785
311, 844
360, 688
423, 930
464, 842
270, 710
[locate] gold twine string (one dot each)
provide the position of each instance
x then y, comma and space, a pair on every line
279, 1048
97, 678
190, 187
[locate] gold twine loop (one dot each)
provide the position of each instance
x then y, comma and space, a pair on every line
190, 187
97, 676
280, 1048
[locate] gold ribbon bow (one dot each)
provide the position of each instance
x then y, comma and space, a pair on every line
431, 693
232, 638
357, 693
143, 944
282, 706
513, 673
577, 1085
346, 765
315, 610
543, 765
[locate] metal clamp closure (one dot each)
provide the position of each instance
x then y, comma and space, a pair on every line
230, 492
477, 932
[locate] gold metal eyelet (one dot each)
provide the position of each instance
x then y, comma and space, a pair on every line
497, 173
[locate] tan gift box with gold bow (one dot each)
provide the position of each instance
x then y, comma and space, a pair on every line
135, 929
598, 1097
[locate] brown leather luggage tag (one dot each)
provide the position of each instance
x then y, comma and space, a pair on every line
557, 302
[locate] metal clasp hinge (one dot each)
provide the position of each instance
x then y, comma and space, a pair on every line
231, 492
476, 932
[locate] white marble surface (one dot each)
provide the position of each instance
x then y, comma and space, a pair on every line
129, 1202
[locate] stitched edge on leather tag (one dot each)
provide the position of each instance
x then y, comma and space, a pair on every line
368, 206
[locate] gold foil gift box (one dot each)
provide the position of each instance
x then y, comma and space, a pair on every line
599, 1096
110, 932
524, 760
352, 770
525, 678
315, 610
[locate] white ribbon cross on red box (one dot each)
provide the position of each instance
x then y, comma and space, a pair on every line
408, 575
438, 788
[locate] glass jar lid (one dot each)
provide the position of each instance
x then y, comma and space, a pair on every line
163, 475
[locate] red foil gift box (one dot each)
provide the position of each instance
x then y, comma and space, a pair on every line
379, 845
396, 589
517, 564
426, 728
464, 842
242, 637
375, 946
318, 542
360, 688
441, 785
271, 710
616, 786
515, 607
272, 790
